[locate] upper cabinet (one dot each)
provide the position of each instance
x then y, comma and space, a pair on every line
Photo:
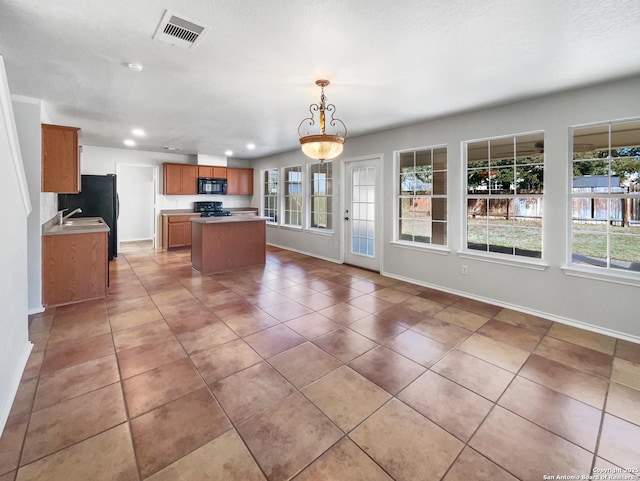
239, 181
179, 179
212, 171
60, 159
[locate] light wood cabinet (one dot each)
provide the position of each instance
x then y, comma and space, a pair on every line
179, 179
74, 267
176, 230
60, 159
239, 181
212, 171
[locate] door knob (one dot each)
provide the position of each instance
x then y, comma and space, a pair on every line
346, 218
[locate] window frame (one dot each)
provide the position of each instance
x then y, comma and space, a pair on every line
619, 276
310, 198
285, 183
511, 259
398, 196
266, 195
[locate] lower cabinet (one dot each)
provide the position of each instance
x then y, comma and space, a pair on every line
74, 267
176, 230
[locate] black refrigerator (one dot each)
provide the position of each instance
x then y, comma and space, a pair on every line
98, 198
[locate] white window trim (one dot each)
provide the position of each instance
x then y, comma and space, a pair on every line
421, 246
307, 199
496, 257
283, 196
580, 270
262, 183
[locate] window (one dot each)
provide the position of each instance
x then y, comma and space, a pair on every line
293, 196
605, 196
422, 216
505, 179
270, 207
321, 180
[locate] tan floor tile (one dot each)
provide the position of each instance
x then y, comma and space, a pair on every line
625, 372
619, 442
377, 328
452, 407
441, 297
593, 362
11, 440
472, 466
234, 309
249, 322
516, 336
76, 380
225, 458
624, 402
83, 328
403, 315
64, 354
346, 397
475, 374
462, 318
428, 307
560, 414
344, 344
148, 333
176, 302
288, 436
274, 340
527, 450
169, 432
343, 293
567, 380
154, 388
498, 353
391, 371
9, 476
396, 436
250, 391
23, 402
628, 351
110, 452
591, 340
478, 307
418, 348
73, 420
344, 461
304, 364
133, 312
343, 313
224, 360
266, 299
312, 325
370, 303
317, 301
139, 359
206, 337
442, 331
287, 310
520, 319
391, 294
191, 322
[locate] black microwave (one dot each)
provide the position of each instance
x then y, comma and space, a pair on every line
208, 185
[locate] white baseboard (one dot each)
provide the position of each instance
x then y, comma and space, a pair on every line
287, 248
12, 389
35, 310
524, 310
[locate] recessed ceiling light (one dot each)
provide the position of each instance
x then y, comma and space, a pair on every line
251, 146
135, 67
138, 132
129, 143
228, 152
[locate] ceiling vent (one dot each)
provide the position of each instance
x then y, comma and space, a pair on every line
180, 31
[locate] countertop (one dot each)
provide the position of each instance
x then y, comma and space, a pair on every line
50, 228
233, 210
228, 219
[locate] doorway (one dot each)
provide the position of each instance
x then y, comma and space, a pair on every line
137, 187
362, 213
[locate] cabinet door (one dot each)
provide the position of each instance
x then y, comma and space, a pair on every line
245, 181
60, 159
219, 172
178, 234
172, 182
233, 186
205, 171
189, 179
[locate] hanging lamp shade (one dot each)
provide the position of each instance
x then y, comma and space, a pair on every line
322, 145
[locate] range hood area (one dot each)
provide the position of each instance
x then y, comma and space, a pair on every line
215, 160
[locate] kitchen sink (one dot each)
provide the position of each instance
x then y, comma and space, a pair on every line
83, 222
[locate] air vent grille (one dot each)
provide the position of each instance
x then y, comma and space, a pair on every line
180, 31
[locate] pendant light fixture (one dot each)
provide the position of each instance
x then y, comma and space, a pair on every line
322, 146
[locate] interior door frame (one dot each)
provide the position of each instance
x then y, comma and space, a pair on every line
155, 196
377, 159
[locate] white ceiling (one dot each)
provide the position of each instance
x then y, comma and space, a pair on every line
252, 78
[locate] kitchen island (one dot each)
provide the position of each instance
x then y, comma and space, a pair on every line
220, 244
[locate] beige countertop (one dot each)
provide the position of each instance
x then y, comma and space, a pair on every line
76, 225
228, 219
233, 210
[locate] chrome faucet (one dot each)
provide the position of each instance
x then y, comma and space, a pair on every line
62, 218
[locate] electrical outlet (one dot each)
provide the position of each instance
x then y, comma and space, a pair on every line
465, 270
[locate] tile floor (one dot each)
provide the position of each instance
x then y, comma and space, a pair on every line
308, 370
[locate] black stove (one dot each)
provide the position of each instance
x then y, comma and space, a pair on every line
210, 209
